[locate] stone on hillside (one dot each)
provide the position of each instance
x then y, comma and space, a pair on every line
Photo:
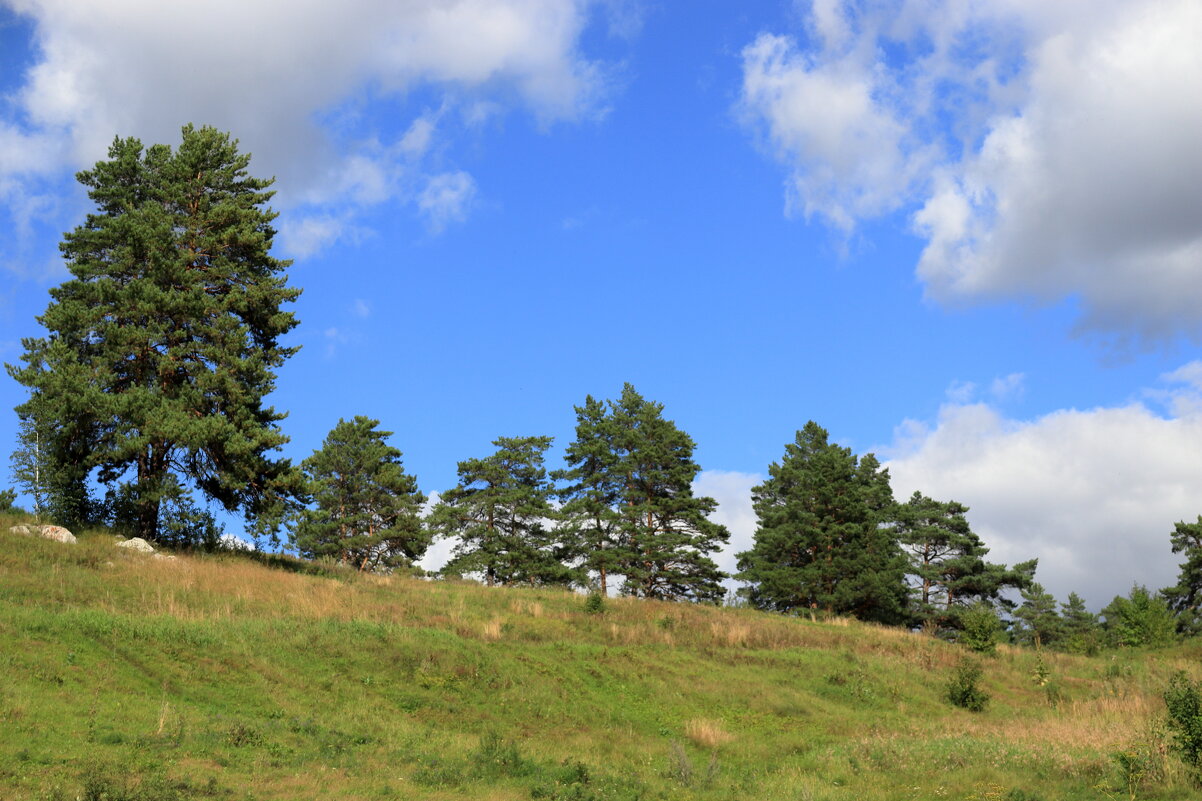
137, 544
166, 556
58, 534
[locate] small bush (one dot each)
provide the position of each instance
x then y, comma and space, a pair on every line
496, 757
964, 690
981, 629
595, 603
1184, 704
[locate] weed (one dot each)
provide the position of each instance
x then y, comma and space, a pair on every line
680, 767
496, 757
438, 773
241, 735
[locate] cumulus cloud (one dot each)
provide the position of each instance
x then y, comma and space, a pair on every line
291, 79
732, 491
1092, 493
1046, 150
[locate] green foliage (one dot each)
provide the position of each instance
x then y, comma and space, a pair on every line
500, 513
8, 501
1183, 699
591, 521
595, 603
947, 564
1185, 597
163, 345
497, 757
366, 510
964, 689
822, 541
1037, 622
1140, 619
49, 464
1080, 633
980, 628
630, 507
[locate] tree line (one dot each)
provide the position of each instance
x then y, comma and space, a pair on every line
163, 345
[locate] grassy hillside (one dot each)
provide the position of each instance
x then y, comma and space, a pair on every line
123, 677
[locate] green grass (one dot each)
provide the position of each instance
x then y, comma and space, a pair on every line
130, 679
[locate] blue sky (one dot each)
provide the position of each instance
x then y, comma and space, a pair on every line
966, 236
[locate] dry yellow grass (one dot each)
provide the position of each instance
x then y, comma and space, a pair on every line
707, 733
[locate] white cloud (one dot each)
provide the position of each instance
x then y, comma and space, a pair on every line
1092, 493
446, 199
291, 79
732, 491
1048, 150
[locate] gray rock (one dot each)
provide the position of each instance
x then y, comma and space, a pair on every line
165, 557
58, 534
137, 544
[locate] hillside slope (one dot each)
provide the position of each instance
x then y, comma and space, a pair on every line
218, 677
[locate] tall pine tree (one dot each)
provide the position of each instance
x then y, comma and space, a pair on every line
590, 518
501, 515
366, 509
824, 541
164, 344
665, 535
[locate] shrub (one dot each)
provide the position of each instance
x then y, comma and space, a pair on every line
1184, 703
981, 628
497, 757
964, 690
595, 603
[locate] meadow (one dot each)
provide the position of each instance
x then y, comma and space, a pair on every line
126, 678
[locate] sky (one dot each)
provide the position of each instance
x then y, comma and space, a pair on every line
965, 235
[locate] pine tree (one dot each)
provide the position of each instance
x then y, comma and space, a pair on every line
164, 343
1038, 622
1185, 598
1080, 627
824, 541
501, 513
366, 509
590, 511
665, 535
947, 563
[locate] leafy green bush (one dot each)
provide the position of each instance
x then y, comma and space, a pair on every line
981, 628
964, 689
1140, 619
1184, 703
